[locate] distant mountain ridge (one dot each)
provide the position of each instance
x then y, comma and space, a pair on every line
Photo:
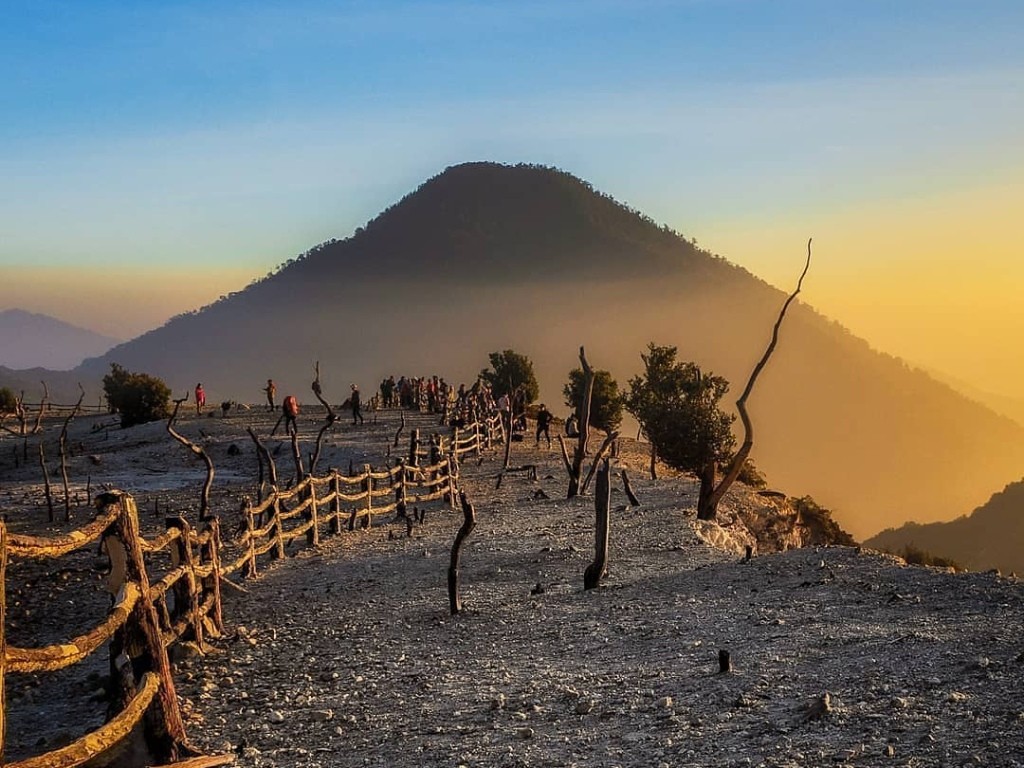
990, 537
30, 340
485, 257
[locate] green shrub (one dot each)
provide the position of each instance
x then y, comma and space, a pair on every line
138, 397
917, 556
8, 400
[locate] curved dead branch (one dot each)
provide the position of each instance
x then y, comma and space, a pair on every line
329, 420
733, 470
204, 499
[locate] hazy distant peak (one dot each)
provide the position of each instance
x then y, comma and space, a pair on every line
31, 340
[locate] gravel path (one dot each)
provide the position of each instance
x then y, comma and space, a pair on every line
348, 656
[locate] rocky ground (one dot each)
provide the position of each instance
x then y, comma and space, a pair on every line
347, 655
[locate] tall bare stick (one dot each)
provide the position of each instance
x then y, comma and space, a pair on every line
64, 451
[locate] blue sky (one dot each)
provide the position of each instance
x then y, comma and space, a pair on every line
221, 138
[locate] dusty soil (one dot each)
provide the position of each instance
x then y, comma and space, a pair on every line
348, 656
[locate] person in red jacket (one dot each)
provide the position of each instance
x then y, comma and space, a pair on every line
200, 399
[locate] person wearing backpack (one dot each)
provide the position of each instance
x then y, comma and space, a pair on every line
291, 412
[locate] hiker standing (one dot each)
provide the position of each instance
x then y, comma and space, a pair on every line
200, 399
354, 402
271, 390
544, 424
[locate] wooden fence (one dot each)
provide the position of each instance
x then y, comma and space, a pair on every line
167, 589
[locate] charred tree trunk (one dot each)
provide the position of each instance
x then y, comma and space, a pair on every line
602, 504
576, 468
468, 523
707, 486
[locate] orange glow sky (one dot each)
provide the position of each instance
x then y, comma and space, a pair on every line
151, 161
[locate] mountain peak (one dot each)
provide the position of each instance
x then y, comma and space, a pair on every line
484, 221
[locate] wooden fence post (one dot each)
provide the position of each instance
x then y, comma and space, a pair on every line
453, 470
455, 442
3, 637
313, 534
335, 503
602, 501
210, 552
414, 448
250, 527
187, 591
275, 509
476, 433
400, 490
368, 487
164, 727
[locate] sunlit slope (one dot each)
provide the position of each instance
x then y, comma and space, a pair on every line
485, 257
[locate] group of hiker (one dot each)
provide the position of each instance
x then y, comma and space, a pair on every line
458, 407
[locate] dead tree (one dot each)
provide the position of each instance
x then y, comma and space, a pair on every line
628, 488
46, 481
64, 452
602, 504
42, 408
707, 506
468, 523
575, 469
19, 411
204, 498
265, 456
329, 419
609, 441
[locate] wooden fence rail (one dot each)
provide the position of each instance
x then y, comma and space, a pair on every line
153, 609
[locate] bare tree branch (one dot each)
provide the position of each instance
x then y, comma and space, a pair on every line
733, 470
204, 499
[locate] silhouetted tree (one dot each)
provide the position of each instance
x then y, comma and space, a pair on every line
677, 407
605, 400
509, 371
138, 397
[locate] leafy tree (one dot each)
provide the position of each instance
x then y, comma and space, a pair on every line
8, 400
138, 397
605, 400
677, 407
509, 370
